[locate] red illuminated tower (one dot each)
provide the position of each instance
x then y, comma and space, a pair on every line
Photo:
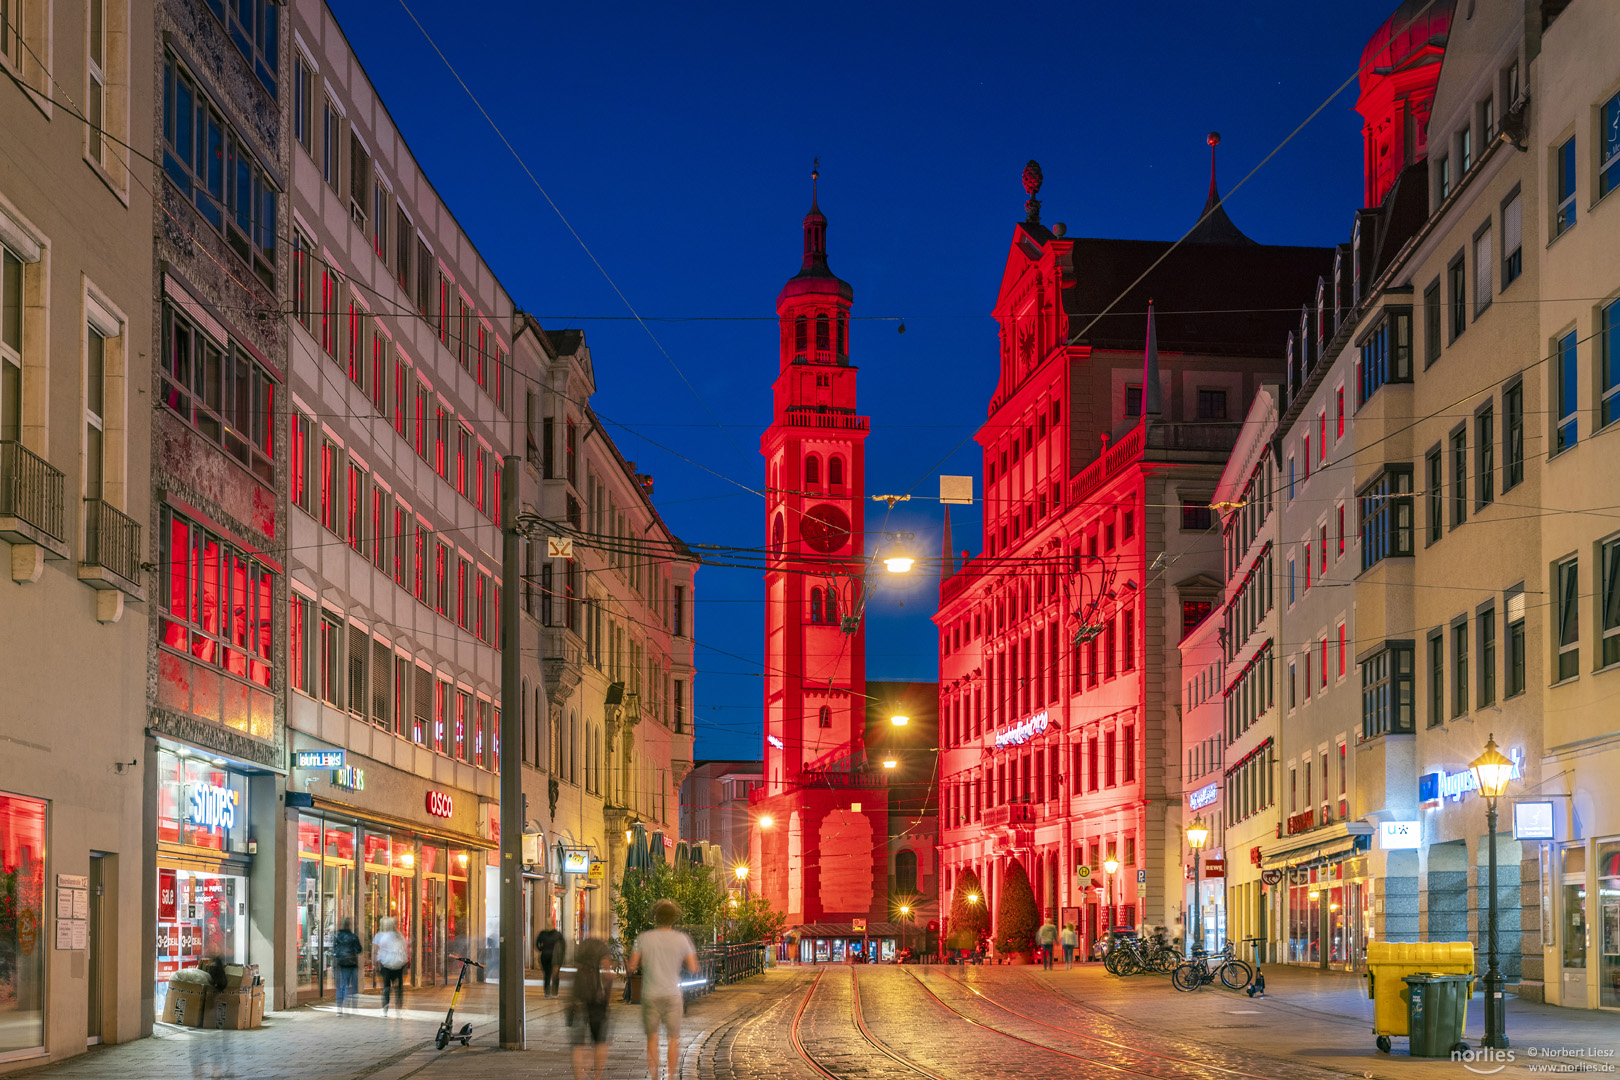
822, 856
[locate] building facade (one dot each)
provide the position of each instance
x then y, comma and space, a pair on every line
714, 805
216, 739
1060, 743
608, 660
76, 334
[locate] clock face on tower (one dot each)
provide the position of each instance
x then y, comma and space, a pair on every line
825, 528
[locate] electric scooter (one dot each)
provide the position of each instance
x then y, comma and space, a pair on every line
447, 1031
1257, 985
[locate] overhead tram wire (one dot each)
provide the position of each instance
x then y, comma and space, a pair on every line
570, 227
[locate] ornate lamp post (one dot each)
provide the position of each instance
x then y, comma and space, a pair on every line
905, 914
1197, 837
1492, 770
1111, 865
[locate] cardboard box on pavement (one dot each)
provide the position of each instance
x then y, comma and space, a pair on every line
186, 1003
238, 976
237, 1010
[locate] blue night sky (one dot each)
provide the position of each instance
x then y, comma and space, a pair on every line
677, 140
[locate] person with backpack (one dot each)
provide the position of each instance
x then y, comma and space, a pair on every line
587, 1011
549, 944
390, 952
346, 962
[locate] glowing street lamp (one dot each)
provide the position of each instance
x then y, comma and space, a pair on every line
765, 821
889, 763
1492, 770
899, 720
1197, 837
1111, 865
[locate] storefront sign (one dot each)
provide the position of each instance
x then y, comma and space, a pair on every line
1271, 877
1400, 835
1533, 821
1435, 787
318, 759
576, 861
1214, 868
859, 925
439, 804
1202, 797
597, 872
168, 894
1022, 732
1301, 822
212, 807
349, 777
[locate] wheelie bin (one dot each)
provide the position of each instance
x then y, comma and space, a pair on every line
1389, 961
1438, 1006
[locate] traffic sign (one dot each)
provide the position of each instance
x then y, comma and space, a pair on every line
1084, 872
1141, 877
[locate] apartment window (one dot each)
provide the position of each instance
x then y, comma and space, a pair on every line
402, 248
1386, 691
1212, 404
379, 220
1487, 118
1515, 641
303, 296
1457, 296
425, 266
95, 383
212, 166
356, 508
1431, 323
96, 78
331, 659
1443, 177
216, 605
1386, 516
1386, 353
1338, 413
1459, 477
1513, 436
1293, 677
1609, 556
1565, 394
255, 26
221, 389
1564, 187
303, 109
1195, 515
1465, 151
1484, 270
441, 578
1127, 641
1567, 634
1485, 629
1609, 154
298, 471
1485, 452
1434, 493
299, 674
1291, 596
1459, 667
1609, 387
1133, 401
1512, 239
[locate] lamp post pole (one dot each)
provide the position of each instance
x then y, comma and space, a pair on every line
1195, 924
1495, 1037
513, 934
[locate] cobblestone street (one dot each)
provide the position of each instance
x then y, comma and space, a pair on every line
872, 1023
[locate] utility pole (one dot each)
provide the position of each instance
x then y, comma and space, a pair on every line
514, 929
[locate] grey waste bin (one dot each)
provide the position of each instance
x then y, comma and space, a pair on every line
1437, 1007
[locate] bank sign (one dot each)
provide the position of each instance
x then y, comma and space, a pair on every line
1023, 732
1435, 787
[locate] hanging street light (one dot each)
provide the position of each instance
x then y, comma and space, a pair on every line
1492, 770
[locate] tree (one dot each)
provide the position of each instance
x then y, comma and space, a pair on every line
1016, 917
756, 920
694, 887
970, 921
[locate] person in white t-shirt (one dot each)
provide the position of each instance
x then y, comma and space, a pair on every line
391, 953
661, 954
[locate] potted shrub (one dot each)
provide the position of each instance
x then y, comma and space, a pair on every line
970, 918
1016, 917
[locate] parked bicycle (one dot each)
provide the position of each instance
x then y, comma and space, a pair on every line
1192, 974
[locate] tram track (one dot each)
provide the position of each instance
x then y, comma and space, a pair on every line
819, 1064
1200, 1068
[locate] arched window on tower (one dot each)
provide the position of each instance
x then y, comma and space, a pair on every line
905, 872
821, 333
776, 536
812, 471
815, 605
800, 335
843, 342
826, 716
832, 605
835, 473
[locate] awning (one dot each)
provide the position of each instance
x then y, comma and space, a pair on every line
1324, 843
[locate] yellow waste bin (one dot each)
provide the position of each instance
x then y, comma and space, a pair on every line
1389, 962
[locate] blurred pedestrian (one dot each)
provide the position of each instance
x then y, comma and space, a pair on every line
550, 945
588, 1007
208, 1047
390, 952
983, 950
1046, 937
1070, 939
346, 961
660, 954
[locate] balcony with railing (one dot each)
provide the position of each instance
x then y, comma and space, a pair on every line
112, 549
32, 501
826, 419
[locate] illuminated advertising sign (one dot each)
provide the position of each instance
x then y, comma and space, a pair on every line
1400, 835
318, 759
1203, 796
1021, 733
576, 861
212, 807
1437, 786
439, 804
1533, 821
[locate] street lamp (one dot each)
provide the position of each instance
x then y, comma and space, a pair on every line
905, 911
1197, 836
899, 558
765, 821
1111, 865
889, 763
1492, 770
899, 719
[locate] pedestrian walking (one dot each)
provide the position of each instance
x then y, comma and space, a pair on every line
391, 953
1046, 937
661, 954
587, 1011
1071, 940
550, 945
346, 960
984, 948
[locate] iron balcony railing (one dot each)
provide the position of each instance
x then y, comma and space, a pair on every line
31, 490
112, 540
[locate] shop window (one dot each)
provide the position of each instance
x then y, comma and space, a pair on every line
22, 924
